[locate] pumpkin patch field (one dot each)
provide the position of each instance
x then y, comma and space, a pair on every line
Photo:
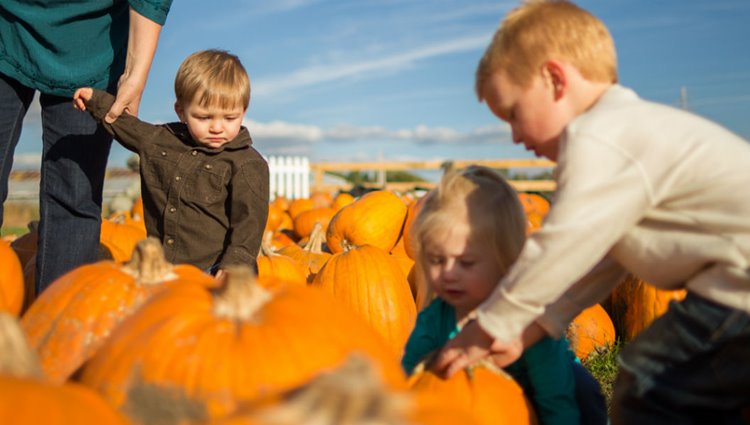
315, 337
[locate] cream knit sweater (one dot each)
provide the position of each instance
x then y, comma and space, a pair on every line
642, 187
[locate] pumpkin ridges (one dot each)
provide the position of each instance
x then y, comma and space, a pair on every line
370, 282
376, 219
178, 341
76, 313
591, 329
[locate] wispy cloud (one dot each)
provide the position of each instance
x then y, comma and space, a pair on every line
286, 134
319, 74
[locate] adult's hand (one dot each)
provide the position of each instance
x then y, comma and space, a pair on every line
143, 37
473, 344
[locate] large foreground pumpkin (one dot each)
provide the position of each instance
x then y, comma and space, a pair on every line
376, 219
352, 394
26, 398
491, 395
200, 353
371, 282
71, 319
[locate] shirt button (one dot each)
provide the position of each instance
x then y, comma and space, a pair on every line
170, 241
172, 209
163, 153
194, 153
178, 178
209, 166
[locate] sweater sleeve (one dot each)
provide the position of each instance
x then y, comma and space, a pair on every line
128, 130
249, 211
549, 368
602, 193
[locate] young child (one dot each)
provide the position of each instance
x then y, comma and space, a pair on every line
641, 187
204, 187
469, 231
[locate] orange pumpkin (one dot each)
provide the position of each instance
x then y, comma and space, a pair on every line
352, 394
635, 303
312, 256
341, 200
321, 199
306, 220
11, 280
590, 330
299, 205
217, 349
272, 265
73, 317
370, 282
275, 217
27, 399
120, 235
376, 219
492, 396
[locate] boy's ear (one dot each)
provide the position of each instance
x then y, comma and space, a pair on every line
179, 111
554, 76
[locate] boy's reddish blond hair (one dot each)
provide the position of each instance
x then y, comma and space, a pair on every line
540, 30
212, 78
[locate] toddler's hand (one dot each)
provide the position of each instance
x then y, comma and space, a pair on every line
81, 96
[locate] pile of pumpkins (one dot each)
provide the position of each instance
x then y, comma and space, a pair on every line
318, 333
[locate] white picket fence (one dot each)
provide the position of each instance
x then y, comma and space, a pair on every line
289, 176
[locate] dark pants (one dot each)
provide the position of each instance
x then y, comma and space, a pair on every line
691, 366
591, 402
74, 159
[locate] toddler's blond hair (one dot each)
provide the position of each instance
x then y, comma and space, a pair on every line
212, 78
541, 30
489, 204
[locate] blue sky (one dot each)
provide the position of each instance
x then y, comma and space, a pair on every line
356, 80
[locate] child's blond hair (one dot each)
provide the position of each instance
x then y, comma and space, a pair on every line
486, 201
540, 30
212, 78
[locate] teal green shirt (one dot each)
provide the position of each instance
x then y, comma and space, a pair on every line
57, 46
544, 370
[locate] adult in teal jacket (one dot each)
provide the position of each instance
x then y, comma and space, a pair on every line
54, 47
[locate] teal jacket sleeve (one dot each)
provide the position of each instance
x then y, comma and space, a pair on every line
548, 366
435, 325
155, 10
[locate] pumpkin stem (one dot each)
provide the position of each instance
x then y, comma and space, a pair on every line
317, 238
16, 356
148, 264
347, 246
266, 249
351, 394
240, 296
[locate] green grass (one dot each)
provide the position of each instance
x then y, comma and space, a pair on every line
603, 365
14, 230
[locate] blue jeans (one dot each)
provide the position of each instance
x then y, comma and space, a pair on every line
591, 402
691, 366
74, 159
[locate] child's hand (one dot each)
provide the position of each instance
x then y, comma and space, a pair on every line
81, 96
220, 274
470, 345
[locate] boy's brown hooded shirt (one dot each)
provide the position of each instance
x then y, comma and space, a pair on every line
207, 206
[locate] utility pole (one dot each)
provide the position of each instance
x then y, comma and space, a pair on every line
683, 98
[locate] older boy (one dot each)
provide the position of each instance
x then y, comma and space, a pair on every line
641, 187
205, 188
